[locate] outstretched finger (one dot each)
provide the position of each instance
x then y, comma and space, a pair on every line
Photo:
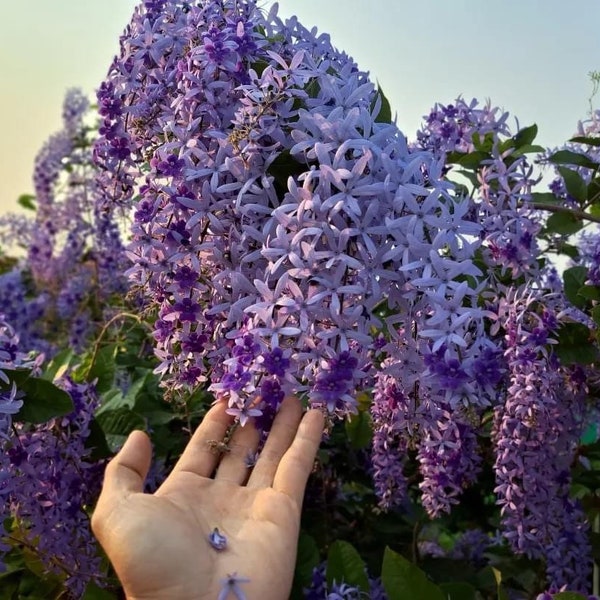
280, 437
126, 472
297, 463
234, 465
202, 454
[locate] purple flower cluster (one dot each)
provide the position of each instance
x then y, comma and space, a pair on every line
10, 358
50, 483
74, 250
23, 309
471, 546
450, 128
449, 460
502, 199
392, 424
275, 205
536, 432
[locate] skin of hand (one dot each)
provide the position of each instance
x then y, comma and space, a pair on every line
158, 543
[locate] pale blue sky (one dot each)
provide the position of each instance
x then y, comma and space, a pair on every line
531, 57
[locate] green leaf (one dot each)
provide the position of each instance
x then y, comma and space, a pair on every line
575, 345
590, 141
459, 591
93, 592
9, 585
590, 435
470, 160
344, 564
545, 198
103, 368
484, 145
58, 365
115, 441
589, 292
120, 422
593, 194
563, 223
385, 110
568, 157
569, 596
259, 66
27, 201
573, 280
502, 593
283, 167
96, 441
401, 580
359, 430
596, 315
568, 250
525, 136
528, 149
115, 399
43, 400
575, 184
307, 559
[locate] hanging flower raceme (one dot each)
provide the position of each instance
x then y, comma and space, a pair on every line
536, 433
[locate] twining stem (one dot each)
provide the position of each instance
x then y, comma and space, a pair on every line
555, 208
106, 327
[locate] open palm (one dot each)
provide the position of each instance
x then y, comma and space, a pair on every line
159, 543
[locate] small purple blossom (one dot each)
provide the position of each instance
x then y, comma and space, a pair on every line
217, 540
230, 585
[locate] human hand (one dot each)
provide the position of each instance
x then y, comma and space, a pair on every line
158, 543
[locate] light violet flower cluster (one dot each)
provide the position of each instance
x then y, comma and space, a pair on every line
281, 220
501, 204
450, 128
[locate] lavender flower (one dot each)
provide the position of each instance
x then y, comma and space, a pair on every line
217, 540
231, 586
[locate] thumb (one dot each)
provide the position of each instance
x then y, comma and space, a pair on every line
124, 475
126, 472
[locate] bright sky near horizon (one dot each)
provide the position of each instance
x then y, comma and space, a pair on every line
531, 57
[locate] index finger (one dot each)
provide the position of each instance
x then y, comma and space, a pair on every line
199, 456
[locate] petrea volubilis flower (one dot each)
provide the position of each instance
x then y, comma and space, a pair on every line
231, 587
217, 540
